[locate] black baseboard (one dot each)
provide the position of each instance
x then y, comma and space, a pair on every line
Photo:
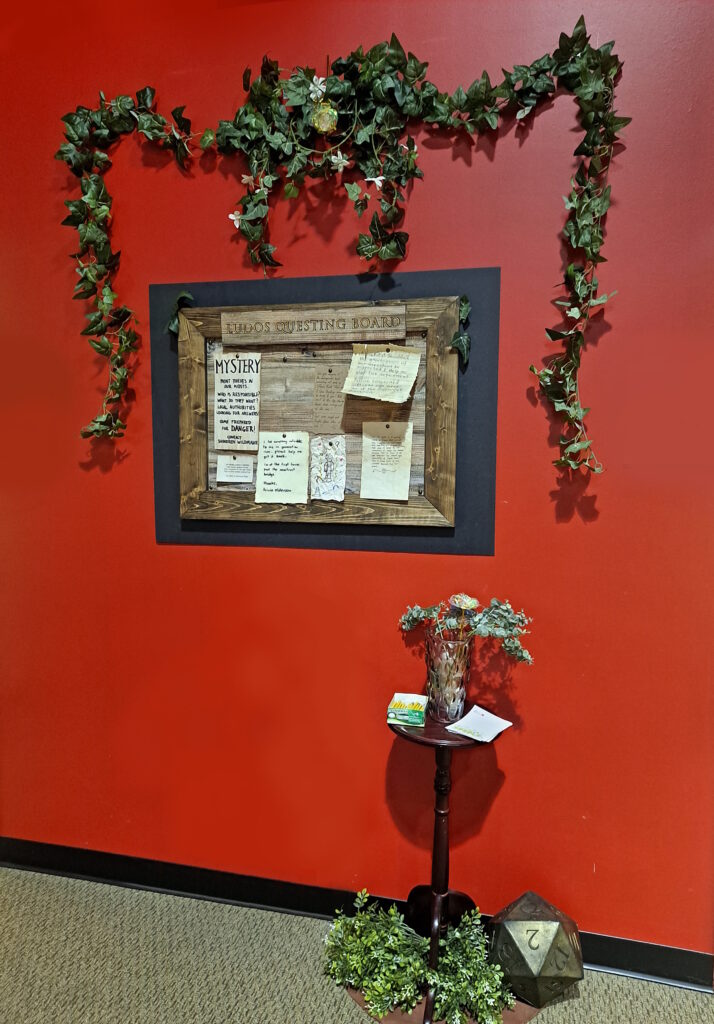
605, 952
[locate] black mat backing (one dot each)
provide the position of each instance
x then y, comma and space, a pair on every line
473, 533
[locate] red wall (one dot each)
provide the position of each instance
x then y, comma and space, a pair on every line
137, 686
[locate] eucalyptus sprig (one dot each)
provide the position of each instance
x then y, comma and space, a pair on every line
356, 126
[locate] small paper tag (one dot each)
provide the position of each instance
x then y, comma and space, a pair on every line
234, 469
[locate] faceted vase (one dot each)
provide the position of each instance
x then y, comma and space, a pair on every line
448, 662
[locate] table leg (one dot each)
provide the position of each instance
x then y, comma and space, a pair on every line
439, 864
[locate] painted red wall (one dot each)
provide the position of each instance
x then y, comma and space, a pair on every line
152, 697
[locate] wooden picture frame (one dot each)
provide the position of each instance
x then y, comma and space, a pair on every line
430, 322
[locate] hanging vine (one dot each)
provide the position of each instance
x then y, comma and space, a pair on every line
355, 125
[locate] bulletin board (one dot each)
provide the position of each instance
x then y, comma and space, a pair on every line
314, 378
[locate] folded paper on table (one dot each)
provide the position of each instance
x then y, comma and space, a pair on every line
384, 372
479, 724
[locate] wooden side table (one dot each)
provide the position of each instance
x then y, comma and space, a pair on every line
431, 908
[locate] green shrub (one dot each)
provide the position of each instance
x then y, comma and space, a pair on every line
378, 954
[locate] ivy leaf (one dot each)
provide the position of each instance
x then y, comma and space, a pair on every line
265, 252
414, 70
77, 213
557, 335
182, 300
296, 164
461, 341
152, 126
182, 123
464, 308
77, 126
95, 324
246, 79
76, 159
576, 446
118, 315
207, 139
377, 229
145, 98
397, 56
395, 248
291, 191
84, 290
104, 425
602, 299
101, 345
367, 248
179, 145
296, 90
353, 190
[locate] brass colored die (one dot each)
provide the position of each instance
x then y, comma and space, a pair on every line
538, 948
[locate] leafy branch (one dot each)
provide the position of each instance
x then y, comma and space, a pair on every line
110, 329
355, 125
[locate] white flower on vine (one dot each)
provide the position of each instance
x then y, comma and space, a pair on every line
338, 161
247, 179
378, 181
236, 218
317, 88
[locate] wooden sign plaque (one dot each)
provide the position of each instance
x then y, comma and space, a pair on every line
297, 344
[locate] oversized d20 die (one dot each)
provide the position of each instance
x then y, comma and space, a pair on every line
538, 948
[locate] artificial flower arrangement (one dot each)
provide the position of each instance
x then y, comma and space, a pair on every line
450, 627
460, 618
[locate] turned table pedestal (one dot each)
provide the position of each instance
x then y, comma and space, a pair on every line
430, 908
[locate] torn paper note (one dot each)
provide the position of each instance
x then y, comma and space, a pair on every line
234, 469
384, 372
282, 467
328, 468
479, 724
386, 460
328, 400
237, 400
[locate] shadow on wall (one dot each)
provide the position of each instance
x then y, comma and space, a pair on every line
476, 781
476, 776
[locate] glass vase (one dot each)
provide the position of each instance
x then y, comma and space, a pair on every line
448, 662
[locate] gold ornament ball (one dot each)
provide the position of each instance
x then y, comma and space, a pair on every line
324, 118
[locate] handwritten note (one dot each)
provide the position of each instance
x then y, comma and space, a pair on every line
234, 469
282, 472
328, 400
328, 468
384, 372
386, 460
237, 400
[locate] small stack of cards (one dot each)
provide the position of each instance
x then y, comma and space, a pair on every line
407, 709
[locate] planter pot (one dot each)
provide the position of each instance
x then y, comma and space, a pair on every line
448, 662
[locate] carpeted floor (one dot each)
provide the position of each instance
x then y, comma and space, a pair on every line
74, 952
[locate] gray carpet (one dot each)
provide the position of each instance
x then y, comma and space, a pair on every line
74, 952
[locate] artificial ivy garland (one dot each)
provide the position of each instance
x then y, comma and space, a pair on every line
356, 122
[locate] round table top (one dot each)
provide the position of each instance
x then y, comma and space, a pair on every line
433, 733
